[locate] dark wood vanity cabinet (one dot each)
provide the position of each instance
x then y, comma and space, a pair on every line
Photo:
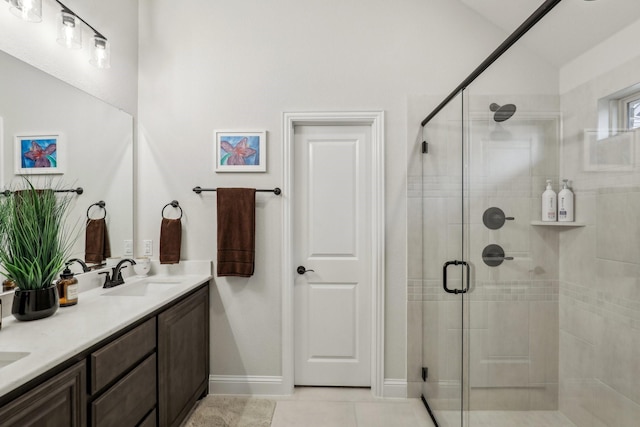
129, 401
151, 374
183, 357
58, 402
130, 362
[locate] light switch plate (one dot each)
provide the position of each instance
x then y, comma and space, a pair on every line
148, 247
128, 247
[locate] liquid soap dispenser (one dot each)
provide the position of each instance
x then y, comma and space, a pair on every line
565, 203
549, 203
67, 288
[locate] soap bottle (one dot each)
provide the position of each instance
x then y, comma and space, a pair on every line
549, 202
67, 288
8, 285
565, 203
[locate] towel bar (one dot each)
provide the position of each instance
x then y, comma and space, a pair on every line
78, 191
277, 191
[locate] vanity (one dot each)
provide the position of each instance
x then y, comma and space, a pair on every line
133, 355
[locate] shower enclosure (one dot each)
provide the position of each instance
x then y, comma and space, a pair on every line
526, 322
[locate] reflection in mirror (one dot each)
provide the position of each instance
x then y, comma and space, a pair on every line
95, 146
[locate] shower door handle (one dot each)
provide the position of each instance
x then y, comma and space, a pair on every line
465, 289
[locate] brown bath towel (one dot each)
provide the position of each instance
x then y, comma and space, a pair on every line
96, 244
170, 240
236, 231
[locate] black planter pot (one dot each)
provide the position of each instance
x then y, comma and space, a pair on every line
35, 304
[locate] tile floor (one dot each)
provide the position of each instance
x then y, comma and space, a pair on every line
356, 407
505, 419
346, 407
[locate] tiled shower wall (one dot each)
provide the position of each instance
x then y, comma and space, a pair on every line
600, 264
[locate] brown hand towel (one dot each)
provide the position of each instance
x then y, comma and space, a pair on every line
170, 240
96, 244
236, 231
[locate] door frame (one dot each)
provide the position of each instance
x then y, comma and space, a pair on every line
375, 120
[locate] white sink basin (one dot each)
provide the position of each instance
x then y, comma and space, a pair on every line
8, 357
144, 288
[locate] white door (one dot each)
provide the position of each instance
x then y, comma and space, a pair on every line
332, 237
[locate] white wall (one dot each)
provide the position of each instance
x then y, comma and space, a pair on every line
239, 65
36, 44
606, 56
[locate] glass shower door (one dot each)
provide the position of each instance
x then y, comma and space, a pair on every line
445, 272
512, 146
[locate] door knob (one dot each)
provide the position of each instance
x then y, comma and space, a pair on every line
302, 270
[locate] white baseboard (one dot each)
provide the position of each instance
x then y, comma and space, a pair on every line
247, 385
394, 388
268, 385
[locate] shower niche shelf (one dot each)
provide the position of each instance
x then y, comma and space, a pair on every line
558, 224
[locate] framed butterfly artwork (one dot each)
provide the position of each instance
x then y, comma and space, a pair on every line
240, 151
39, 154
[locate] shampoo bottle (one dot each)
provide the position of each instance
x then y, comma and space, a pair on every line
67, 288
565, 203
549, 202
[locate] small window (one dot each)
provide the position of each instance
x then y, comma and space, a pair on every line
619, 112
632, 113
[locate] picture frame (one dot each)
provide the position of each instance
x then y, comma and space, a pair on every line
39, 154
240, 151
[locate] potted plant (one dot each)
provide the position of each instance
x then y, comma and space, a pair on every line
34, 244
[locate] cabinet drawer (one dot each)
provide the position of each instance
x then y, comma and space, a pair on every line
127, 402
121, 354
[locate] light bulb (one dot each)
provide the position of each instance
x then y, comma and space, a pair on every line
101, 55
28, 10
69, 30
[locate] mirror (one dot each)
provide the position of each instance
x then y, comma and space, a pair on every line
95, 146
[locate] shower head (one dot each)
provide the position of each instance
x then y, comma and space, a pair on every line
503, 112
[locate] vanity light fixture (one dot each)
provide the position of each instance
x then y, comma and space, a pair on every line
28, 10
101, 55
69, 29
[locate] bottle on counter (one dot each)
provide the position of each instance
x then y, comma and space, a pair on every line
8, 285
565, 203
67, 288
549, 204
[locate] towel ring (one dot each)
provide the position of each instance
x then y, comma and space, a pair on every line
100, 204
175, 204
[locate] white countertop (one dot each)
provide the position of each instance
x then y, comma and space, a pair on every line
73, 329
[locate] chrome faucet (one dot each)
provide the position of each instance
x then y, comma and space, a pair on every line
115, 278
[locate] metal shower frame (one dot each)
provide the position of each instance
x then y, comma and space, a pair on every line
531, 21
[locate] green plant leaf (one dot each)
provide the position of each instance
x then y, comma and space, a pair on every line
34, 238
